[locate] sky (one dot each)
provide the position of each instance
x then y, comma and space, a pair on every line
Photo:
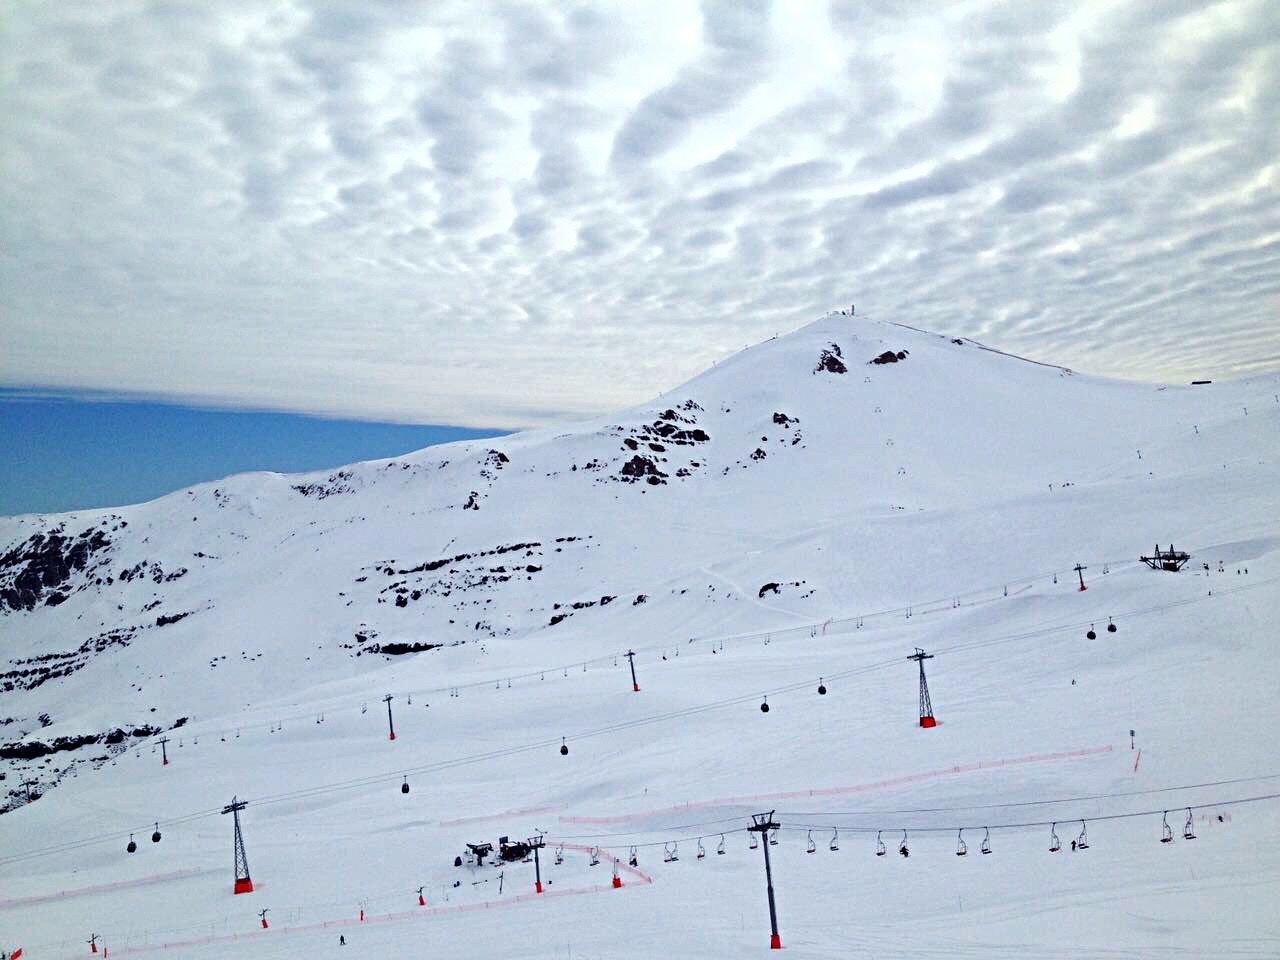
77, 452
508, 214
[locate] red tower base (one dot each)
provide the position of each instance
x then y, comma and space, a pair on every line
264, 923
393, 735
244, 885
537, 887
928, 722
775, 942
617, 882
422, 901
635, 687
1082, 589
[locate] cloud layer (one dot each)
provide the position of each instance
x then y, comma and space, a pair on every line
501, 215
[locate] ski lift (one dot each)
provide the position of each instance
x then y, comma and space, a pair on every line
1092, 634
1082, 841
560, 854
670, 854
1111, 627
632, 859
595, 856
902, 847
404, 787
155, 835
764, 705
1054, 843
132, 847
962, 848
702, 851
880, 851
564, 748
1166, 834
835, 841
1188, 828
754, 842
986, 840
822, 688
811, 847
773, 837
720, 846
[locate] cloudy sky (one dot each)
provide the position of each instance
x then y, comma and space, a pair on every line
502, 214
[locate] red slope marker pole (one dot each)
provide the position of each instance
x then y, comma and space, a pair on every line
390, 723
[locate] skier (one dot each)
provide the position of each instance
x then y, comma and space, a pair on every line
342, 939
1073, 846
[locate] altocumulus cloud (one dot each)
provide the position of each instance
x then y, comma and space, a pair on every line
505, 214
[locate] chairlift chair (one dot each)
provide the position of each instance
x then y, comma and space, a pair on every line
1082, 841
835, 840
560, 854
811, 847
962, 848
773, 837
702, 851
880, 851
986, 840
720, 846
754, 842
1054, 843
1188, 828
632, 858
902, 847
1166, 834
595, 856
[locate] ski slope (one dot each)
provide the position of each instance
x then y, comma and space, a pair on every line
940, 501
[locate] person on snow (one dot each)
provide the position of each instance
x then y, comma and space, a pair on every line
342, 939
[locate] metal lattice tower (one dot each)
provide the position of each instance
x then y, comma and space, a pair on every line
243, 883
926, 705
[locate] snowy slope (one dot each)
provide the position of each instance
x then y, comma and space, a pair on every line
780, 519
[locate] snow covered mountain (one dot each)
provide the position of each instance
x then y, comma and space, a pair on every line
816, 506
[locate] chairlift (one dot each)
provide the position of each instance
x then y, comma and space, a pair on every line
132, 847
962, 848
632, 858
670, 854
902, 847
822, 688
155, 834
702, 851
773, 837
404, 787
1166, 834
560, 854
595, 856
986, 840
1092, 634
811, 847
1082, 841
1188, 828
1054, 843
880, 851
720, 846
564, 748
1111, 627
754, 842
835, 840
764, 705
